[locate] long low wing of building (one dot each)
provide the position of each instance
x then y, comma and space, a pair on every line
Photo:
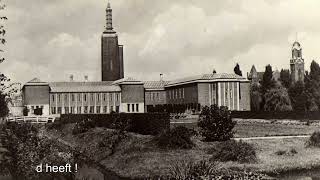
129, 95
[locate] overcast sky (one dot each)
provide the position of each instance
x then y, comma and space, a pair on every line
52, 39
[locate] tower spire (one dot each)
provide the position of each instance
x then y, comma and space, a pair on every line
109, 28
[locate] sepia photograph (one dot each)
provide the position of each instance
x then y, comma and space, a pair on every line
159, 90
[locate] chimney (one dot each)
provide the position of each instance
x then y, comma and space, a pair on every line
161, 77
86, 78
71, 77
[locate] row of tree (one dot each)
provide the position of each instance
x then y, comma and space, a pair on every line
283, 94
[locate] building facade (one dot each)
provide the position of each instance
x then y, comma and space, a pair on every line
128, 95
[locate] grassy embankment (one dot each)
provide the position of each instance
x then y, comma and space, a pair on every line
138, 156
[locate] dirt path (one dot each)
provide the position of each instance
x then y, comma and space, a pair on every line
271, 137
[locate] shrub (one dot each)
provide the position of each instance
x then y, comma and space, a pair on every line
112, 140
216, 123
83, 126
290, 152
142, 123
176, 138
192, 170
314, 140
233, 151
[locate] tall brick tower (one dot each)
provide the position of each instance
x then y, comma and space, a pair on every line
297, 63
111, 52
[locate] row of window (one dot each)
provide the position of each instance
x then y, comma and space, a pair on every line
176, 93
155, 96
85, 96
84, 110
133, 107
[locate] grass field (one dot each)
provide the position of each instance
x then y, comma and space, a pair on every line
137, 156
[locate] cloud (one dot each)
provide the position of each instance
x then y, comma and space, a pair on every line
56, 38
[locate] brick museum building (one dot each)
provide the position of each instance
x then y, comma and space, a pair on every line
128, 95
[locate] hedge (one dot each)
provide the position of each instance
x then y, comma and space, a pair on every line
295, 115
142, 123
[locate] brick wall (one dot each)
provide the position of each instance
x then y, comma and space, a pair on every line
155, 97
184, 94
203, 94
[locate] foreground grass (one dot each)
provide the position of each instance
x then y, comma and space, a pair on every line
137, 156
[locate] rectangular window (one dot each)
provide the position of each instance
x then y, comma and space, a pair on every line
117, 109
65, 97
91, 109
52, 97
105, 109
98, 109
85, 97
104, 97
158, 97
137, 107
72, 97
66, 110
110, 97
72, 110
111, 109
53, 110
117, 97
92, 97
79, 97
98, 97
59, 98
182, 92
132, 107
128, 106
59, 110
85, 110
79, 110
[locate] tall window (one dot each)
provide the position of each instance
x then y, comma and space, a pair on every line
52, 97
137, 107
66, 110
59, 98
182, 92
132, 107
72, 97
111, 94
104, 97
117, 97
128, 106
65, 97
98, 109
85, 109
79, 97
98, 97
79, 110
92, 97
85, 97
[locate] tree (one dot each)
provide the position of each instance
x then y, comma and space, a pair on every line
298, 97
285, 78
237, 70
277, 99
267, 81
255, 96
310, 87
216, 123
3, 106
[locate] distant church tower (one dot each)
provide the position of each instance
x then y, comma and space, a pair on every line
111, 52
297, 63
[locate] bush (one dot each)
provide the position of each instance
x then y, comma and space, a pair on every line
176, 138
233, 151
290, 152
142, 123
83, 126
216, 123
314, 140
191, 170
